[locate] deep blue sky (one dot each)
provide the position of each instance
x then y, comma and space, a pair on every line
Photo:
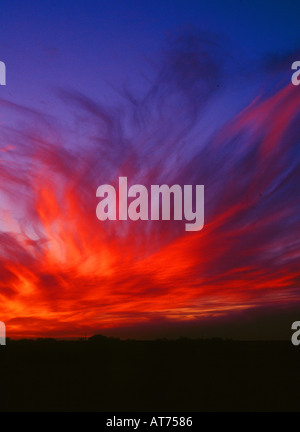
85, 44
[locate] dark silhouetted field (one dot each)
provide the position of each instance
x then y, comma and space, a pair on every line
104, 374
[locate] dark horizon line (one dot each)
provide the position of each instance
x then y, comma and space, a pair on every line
99, 337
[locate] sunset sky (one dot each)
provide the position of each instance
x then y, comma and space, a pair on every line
169, 92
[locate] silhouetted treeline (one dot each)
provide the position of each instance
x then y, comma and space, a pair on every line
109, 374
